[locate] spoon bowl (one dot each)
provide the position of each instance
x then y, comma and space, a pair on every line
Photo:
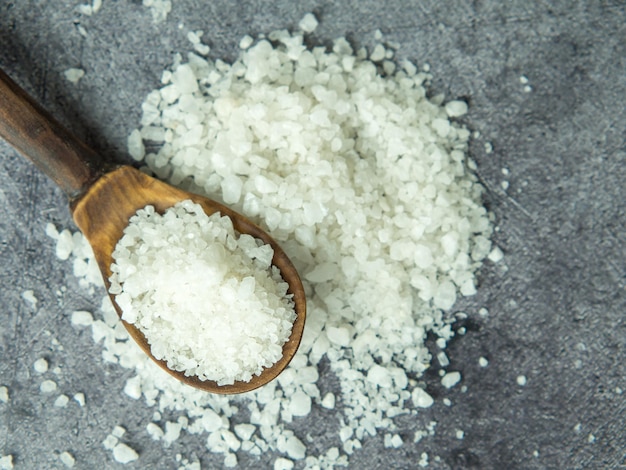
103, 197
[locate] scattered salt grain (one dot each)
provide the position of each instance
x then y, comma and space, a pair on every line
67, 459
328, 401
447, 402
488, 147
282, 463
159, 9
48, 386
29, 296
521, 380
40, 365
523, 79
74, 75
483, 362
6, 462
456, 108
451, 379
82, 318
118, 431
4, 394
154, 431
308, 23
495, 255
246, 42
133, 387
123, 454
61, 401
459, 434
79, 398
421, 398
423, 461
591, 439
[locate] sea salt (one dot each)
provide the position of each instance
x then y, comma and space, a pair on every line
340, 164
208, 299
48, 386
450, 379
73, 75
124, 454
4, 394
29, 296
67, 459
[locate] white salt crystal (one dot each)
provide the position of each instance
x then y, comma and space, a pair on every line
6, 462
282, 463
118, 431
451, 379
136, 148
155, 432
61, 401
421, 398
40, 365
4, 394
338, 335
133, 387
74, 75
392, 441
79, 398
29, 296
244, 431
295, 448
521, 380
378, 53
82, 318
328, 401
246, 42
459, 434
456, 108
230, 460
483, 362
380, 376
124, 454
172, 431
300, 404
67, 459
110, 442
308, 23
496, 255
445, 295
48, 386
96, 5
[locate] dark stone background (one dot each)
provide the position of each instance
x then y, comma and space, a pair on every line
556, 304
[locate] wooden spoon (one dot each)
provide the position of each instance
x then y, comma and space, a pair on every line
104, 197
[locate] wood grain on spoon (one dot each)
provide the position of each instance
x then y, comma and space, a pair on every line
104, 197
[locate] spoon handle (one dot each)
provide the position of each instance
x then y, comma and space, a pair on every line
38, 136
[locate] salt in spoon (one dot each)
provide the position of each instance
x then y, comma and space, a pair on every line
103, 197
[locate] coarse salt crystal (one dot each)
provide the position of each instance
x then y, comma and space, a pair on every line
74, 75
451, 379
48, 386
124, 454
67, 459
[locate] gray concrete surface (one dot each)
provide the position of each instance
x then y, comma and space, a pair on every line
556, 314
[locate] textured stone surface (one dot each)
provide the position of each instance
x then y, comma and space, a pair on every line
556, 314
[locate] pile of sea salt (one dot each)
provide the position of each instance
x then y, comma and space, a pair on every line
364, 181
208, 300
